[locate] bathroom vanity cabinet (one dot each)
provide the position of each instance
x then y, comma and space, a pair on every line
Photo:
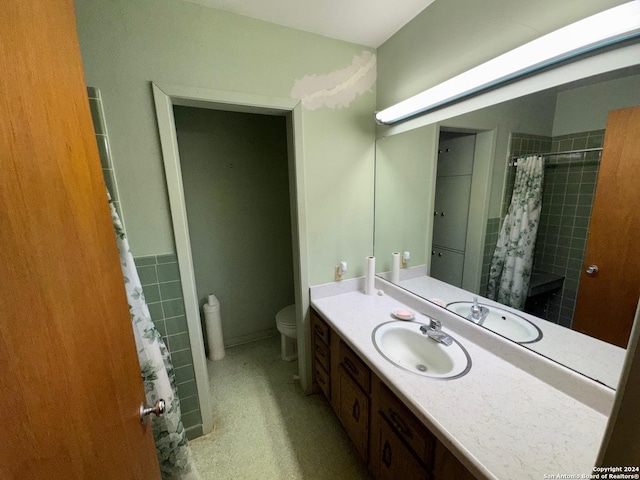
392, 441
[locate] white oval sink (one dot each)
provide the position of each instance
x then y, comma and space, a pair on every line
505, 323
404, 345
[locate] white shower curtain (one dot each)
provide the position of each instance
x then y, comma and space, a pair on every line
512, 260
174, 455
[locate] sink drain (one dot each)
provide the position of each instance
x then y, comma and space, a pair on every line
421, 367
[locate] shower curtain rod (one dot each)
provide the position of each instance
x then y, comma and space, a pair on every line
550, 154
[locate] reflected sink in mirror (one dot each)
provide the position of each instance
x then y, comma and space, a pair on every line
505, 323
443, 189
406, 346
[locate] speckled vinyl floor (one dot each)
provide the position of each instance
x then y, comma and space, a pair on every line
266, 428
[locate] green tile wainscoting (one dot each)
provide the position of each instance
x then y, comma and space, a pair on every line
162, 288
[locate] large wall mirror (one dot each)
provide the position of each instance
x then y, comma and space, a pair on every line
443, 191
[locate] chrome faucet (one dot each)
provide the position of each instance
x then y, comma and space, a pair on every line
478, 313
434, 331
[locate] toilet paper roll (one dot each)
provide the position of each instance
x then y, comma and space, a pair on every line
369, 287
213, 327
395, 268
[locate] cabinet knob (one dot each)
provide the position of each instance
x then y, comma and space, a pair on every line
355, 410
592, 269
386, 454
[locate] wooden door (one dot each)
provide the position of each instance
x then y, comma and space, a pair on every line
70, 385
607, 300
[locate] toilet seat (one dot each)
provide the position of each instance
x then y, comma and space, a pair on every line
286, 323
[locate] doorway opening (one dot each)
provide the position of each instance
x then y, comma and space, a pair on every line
168, 97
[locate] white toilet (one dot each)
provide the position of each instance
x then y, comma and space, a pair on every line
286, 323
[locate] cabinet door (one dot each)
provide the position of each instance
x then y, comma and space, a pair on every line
395, 461
451, 212
455, 156
354, 413
447, 266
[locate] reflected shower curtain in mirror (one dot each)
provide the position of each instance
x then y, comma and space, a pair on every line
512, 260
174, 455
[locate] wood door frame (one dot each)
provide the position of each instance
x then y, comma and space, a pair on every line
165, 97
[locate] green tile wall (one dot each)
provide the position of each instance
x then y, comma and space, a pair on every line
100, 128
160, 279
569, 188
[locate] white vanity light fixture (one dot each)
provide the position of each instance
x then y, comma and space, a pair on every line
603, 29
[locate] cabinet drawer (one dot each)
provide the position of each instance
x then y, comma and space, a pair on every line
321, 352
323, 380
319, 328
356, 367
407, 426
395, 460
354, 413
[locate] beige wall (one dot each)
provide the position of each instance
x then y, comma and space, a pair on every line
126, 44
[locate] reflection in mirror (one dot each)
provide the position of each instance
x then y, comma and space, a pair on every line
443, 192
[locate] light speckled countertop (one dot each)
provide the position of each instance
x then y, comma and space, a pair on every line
501, 421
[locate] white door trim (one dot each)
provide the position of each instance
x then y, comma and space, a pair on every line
165, 97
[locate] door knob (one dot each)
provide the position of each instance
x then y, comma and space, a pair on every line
592, 269
158, 409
